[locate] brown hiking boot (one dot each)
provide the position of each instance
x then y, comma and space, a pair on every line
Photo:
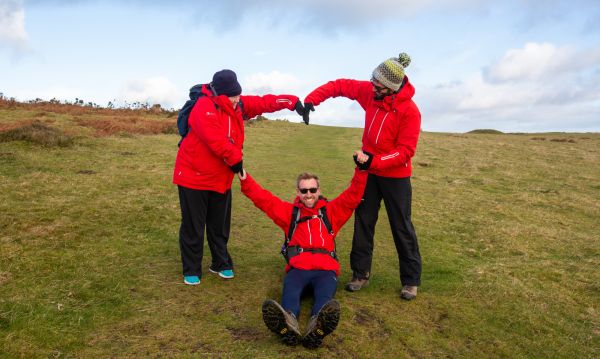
356, 284
322, 324
408, 292
281, 322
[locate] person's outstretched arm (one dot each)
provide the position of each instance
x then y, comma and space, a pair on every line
257, 105
279, 211
340, 209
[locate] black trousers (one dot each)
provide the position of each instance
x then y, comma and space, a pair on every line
397, 197
200, 210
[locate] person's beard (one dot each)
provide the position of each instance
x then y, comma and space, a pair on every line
378, 96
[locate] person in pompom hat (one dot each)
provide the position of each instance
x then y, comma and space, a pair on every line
389, 141
208, 157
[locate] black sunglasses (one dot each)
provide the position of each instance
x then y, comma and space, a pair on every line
305, 190
378, 88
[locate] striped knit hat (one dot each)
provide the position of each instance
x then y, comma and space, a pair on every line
391, 72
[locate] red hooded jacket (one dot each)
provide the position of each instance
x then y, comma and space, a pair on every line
216, 137
392, 126
311, 233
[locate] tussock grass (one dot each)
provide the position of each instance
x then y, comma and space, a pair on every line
37, 133
130, 124
90, 261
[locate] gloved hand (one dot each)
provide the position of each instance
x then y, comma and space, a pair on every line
238, 167
307, 108
299, 108
363, 165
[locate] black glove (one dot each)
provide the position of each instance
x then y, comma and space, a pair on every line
307, 108
238, 167
363, 166
299, 108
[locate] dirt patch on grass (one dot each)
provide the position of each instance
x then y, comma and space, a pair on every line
86, 172
130, 125
37, 133
5, 277
246, 333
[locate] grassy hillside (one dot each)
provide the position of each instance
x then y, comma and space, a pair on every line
90, 267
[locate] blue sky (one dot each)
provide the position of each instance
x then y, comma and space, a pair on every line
515, 66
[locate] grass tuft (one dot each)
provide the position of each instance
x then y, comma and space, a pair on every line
38, 133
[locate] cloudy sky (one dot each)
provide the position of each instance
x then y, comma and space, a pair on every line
514, 66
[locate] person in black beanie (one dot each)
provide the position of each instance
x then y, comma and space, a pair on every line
208, 157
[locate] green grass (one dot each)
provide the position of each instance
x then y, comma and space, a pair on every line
507, 225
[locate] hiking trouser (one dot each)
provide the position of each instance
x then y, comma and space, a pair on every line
202, 210
397, 196
322, 282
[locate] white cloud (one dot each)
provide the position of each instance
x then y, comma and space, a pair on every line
539, 88
533, 62
273, 82
154, 90
12, 25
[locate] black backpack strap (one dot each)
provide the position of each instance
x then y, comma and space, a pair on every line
288, 252
325, 219
291, 230
244, 116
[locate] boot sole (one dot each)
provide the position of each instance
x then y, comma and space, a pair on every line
350, 288
274, 319
327, 320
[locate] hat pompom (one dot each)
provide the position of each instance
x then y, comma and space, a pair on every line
404, 59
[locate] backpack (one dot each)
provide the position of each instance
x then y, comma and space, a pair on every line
184, 114
289, 252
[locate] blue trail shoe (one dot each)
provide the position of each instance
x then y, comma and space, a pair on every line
191, 279
225, 273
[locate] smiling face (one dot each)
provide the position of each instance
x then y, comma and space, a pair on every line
308, 199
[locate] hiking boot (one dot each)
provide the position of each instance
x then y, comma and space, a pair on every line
281, 322
225, 273
356, 284
191, 279
322, 324
408, 292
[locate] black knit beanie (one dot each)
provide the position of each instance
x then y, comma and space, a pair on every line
225, 83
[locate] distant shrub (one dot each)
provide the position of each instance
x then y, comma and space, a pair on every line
570, 140
486, 131
38, 133
171, 129
127, 126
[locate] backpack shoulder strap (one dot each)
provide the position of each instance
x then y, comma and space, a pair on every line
293, 223
290, 233
325, 219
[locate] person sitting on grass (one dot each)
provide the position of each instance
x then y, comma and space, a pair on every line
309, 250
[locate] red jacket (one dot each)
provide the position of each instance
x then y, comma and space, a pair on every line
392, 126
311, 233
216, 137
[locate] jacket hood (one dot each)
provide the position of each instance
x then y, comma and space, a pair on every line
406, 93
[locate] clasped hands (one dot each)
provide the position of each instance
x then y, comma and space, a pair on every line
304, 110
